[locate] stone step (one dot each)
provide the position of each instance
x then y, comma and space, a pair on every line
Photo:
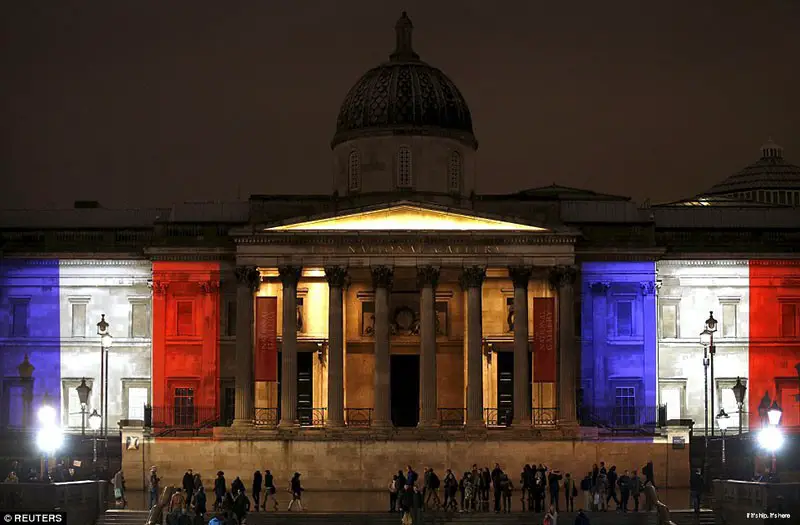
123, 517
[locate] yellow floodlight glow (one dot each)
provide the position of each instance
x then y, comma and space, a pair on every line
406, 218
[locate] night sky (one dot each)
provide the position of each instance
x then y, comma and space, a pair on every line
144, 103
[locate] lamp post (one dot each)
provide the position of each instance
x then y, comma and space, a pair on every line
83, 395
49, 437
774, 415
739, 390
723, 421
707, 340
105, 345
94, 424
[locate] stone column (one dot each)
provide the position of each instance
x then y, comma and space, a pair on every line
290, 275
520, 275
599, 291
472, 282
428, 278
382, 278
248, 279
562, 279
336, 276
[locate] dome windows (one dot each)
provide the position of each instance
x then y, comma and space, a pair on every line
354, 171
454, 169
404, 173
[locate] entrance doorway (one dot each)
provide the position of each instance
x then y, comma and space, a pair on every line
405, 390
505, 388
305, 388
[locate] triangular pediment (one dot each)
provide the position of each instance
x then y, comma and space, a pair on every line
406, 217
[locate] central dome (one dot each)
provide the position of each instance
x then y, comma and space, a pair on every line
404, 96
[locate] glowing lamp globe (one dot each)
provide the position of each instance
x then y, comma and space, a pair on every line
739, 390
723, 420
49, 440
774, 414
770, 439
705, 338
47, 412
94, 420
106, 340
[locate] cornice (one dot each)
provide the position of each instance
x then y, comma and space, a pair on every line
144, 263
703, 262
337, 238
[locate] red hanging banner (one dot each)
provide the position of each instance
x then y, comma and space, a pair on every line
266, 358
544, 346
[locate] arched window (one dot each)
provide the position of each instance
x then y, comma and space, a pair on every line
354, 171
454, 172
404, 176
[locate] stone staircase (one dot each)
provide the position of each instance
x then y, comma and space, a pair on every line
136, 517
123, 517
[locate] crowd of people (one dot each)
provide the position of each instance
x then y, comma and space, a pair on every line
540, 489
230, 506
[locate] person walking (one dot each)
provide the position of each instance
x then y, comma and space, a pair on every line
153, 484
119, 490
270, 492
200, 504
696, 489
586, 488
649, 474
498, 493
237, 486
297, 492
600, 491
507, 488
553, 481
393, 489
624, 490
417, 506
257, 479
433, 490
188, 486
220, 488
612, 486
570, 491
636, 489
241, 505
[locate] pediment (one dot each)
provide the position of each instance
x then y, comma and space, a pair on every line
407, 217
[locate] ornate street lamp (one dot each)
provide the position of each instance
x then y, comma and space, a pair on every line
739, 390
723, 421
49, 438
83, 396
763, 408
771, 438
94, 423
105, 344
707, 341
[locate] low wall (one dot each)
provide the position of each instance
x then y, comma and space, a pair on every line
350, 464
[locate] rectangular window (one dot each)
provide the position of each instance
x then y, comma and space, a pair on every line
230, 319
789, 321
727, 401
729, 319
78, 319
625, 406
138, 397
669, 321
140, 319
185, 322
19, 321
184, 407
71, 416
74, 417
672, 398
624, 318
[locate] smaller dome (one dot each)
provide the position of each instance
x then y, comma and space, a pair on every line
770, 172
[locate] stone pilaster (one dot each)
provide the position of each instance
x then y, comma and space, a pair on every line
248, 280
520, 275
289, 275
382, 278
599, 294
337, 277
472, 279
562, 278
428, 278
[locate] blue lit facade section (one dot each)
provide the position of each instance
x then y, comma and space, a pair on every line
29, 325
618, 344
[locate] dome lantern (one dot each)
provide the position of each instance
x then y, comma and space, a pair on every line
770, 150
404, 51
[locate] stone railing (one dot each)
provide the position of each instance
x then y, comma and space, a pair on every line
83, 501
748, 501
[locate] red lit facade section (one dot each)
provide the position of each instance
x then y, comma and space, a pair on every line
775, 338
186, 306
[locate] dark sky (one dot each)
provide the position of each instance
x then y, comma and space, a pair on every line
142, 103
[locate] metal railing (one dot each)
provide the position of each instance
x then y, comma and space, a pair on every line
452, 417
358, 417
182, 419
311, 417
266, 417
544, 417
622, 418
497, 417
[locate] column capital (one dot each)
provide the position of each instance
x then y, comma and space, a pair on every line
599, 287
382, 276
248, 276
561, 276
209, 287
472, 277
520, 275
160, 287
427, 276
336, 276
648, 287
290, 275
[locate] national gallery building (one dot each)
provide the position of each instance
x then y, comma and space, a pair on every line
404, 318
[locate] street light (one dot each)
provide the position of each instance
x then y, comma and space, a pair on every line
83, 396
771, 438
94, 424
707, 341
723, 421
105, 344
49, 438
739, 390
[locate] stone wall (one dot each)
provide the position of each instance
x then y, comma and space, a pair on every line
368, 465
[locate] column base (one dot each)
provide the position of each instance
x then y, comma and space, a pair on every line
286, 424
242, 423
333, 423
428, 425
521, 423
570, 428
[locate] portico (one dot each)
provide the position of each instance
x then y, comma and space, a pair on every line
406, 316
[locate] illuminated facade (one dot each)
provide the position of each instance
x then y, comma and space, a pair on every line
406, 306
